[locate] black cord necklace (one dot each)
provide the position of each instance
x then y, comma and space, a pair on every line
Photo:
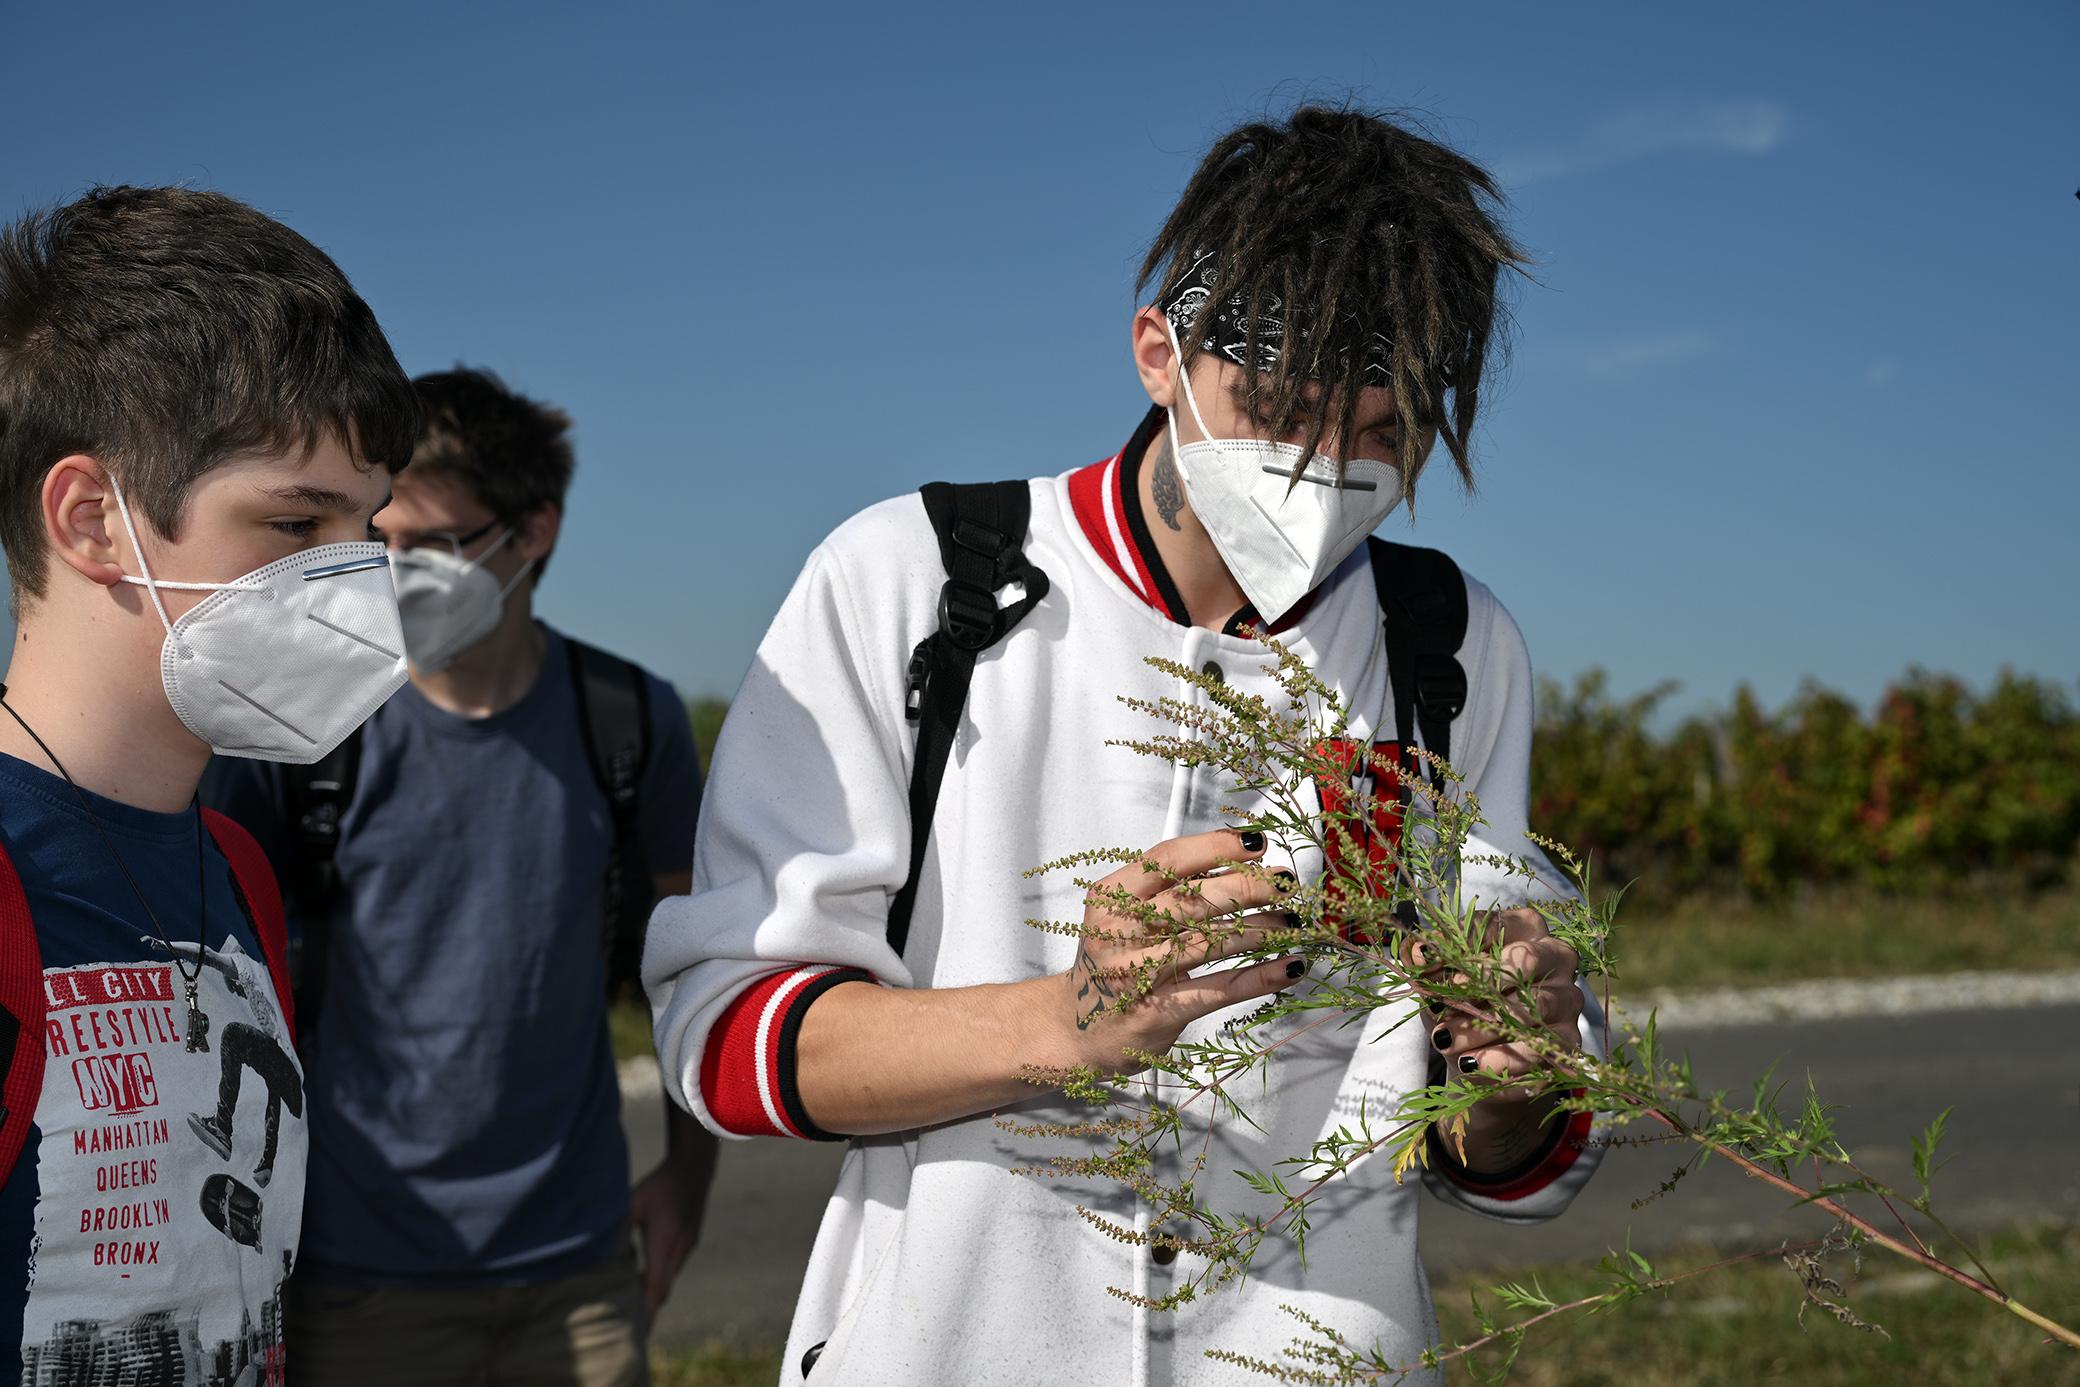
198, 1024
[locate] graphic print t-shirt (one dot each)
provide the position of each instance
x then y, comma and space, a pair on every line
154, 1211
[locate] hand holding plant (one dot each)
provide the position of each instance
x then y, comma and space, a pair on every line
1150, 924
1394, 930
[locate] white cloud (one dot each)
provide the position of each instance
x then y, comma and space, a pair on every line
1710, 127
1626, 359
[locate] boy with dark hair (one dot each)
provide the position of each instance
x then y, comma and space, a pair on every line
472, 875
198, 420
852, 965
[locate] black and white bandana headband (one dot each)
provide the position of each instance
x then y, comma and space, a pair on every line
1226, 328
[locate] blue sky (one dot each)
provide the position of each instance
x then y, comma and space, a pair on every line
1793, 389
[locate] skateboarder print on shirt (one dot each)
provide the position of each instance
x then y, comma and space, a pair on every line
232, 1207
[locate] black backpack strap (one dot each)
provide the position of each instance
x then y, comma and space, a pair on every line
1422, 601
316, 797
982, 530
614, 706
1422, 604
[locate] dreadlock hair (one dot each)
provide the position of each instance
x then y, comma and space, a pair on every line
1345, 224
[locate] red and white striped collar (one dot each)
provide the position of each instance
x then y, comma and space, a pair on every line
1106, 497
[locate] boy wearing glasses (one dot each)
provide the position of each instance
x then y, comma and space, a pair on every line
469, 1214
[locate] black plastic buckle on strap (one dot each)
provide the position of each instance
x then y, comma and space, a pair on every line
978, 538
320, 821
967, 615
1440, 686
920, 676
622, 778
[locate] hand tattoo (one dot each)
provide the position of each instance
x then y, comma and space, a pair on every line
1096, 983
1167, 486
1520, 1142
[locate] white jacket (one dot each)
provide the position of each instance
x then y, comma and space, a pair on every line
935, 1263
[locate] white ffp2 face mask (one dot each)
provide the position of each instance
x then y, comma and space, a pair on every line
284, 663
1279, 538
448, 603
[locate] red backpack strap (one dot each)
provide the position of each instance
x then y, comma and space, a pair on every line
22, 1010
255, 877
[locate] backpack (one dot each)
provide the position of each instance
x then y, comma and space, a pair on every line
23, 1003
981, 528
613, 697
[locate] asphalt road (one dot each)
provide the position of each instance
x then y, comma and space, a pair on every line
2013, 1078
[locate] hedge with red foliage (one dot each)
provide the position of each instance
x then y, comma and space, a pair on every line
1938, 785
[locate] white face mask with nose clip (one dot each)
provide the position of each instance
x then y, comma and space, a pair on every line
449, 603
1279, 538
284, 663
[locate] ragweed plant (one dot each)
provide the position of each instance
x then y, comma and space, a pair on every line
1389, 928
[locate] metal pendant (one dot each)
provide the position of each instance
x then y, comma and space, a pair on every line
198, 1024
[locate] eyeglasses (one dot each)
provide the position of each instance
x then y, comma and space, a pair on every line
441, 539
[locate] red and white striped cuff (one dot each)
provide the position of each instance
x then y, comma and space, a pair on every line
747, 1069
1559, 1155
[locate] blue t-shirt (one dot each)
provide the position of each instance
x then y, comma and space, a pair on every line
152, 1215
465, 1116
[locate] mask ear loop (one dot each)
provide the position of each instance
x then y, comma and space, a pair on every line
151, 584
496, 545
148, 583
1184, 382
525, 569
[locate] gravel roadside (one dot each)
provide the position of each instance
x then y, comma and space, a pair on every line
1841, 998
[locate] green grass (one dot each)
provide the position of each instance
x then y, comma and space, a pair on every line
1699, 943
715, 1365
1739, 1326
1736, 1327
628, 1026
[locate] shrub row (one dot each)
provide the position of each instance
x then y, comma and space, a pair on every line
1937, 786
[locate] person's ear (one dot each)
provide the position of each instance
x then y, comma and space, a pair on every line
1155, 360
538, 532
80, 519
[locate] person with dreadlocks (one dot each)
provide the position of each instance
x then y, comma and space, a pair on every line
851, 965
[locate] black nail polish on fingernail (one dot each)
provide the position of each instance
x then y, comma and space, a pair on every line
1442, 1037
1296, 967
1292, 921
1252, 841
1469, 1064
1286, 879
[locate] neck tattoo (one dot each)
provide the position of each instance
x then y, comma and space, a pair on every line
1167, 487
